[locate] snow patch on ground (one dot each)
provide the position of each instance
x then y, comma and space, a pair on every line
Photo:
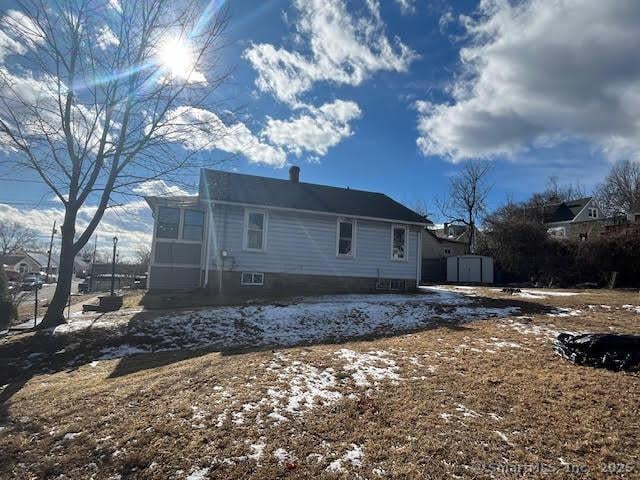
198, 474
283, 456
304, 387
353, 456
632, 308
565, 312
368, 368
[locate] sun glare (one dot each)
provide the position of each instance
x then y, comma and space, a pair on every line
176, 56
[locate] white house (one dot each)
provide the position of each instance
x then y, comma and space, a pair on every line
245, 234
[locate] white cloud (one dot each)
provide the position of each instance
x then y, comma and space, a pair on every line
106, 38
315, 131
198, 129
540, 72
344, 48
131, 223
407, 6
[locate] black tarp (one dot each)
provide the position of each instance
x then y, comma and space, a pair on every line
600, 350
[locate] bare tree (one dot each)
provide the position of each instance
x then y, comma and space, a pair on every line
14, 237
142, 258
467, 196
620, 191
99, 92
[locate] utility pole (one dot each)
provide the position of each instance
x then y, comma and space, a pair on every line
53, 232
113, 266
93, 262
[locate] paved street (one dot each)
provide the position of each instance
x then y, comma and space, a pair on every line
46, 292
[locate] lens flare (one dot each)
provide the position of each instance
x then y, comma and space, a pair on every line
177, 58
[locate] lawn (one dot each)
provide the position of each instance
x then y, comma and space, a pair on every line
450, 383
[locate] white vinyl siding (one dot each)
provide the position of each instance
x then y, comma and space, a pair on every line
303, 243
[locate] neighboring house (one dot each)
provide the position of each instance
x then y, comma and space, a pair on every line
576, 219
250, 235
27, 262
435, 251
435, 246
453, 231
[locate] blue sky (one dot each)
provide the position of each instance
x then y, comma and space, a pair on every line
538, 86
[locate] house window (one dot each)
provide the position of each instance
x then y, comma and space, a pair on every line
193, 228
447, 251
593, 212
251, 278
22, 268
168, 222
255, 223
345, 238
398, 243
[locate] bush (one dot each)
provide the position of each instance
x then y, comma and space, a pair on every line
523, 251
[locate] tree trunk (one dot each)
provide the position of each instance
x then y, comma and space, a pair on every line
55, 311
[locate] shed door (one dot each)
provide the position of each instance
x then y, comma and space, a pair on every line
470, 270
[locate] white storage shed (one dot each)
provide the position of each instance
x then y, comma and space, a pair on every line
470, 269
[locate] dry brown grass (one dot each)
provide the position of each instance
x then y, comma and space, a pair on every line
468, 396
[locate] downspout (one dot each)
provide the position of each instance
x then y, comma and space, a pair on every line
213, 236
208, 246
419, 259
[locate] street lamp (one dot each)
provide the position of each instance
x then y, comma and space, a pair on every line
113, 266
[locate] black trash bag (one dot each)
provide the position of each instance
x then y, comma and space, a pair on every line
600, 350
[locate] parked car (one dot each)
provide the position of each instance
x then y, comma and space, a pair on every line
51, 278
31, 282
83, 287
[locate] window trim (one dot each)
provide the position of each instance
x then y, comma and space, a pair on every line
245, 235
406, 243
253, 282
354, 227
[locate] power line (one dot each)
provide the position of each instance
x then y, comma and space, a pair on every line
20, 180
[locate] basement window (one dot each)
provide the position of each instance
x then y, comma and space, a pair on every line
252, 278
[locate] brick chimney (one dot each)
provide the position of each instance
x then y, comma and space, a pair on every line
294, 174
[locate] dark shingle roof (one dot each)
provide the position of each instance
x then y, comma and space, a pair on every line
10, 259
273, 192
564, 211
